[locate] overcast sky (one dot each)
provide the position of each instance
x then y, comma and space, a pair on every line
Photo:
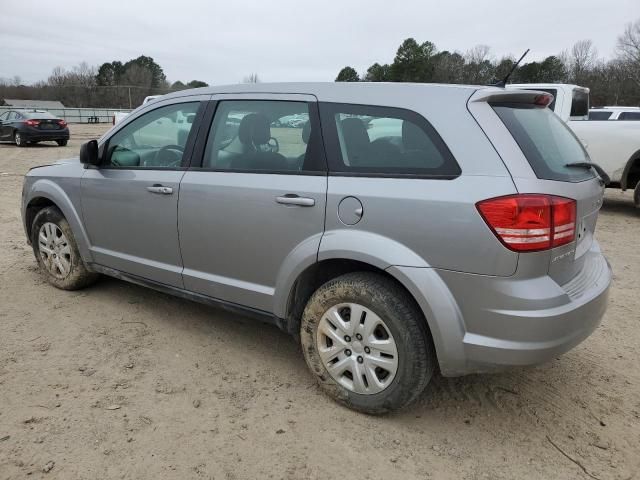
288, 40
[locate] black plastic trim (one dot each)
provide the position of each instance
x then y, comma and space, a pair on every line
253, 313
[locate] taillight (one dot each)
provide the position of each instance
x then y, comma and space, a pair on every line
62, 123
32, 123
530, 222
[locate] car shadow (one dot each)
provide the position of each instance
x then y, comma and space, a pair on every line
528, 394
623, 205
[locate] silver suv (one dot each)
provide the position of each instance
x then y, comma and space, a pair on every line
393, 228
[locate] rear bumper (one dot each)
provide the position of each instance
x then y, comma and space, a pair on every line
505, 322
36, 135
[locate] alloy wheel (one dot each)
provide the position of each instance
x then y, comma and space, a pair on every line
55, 250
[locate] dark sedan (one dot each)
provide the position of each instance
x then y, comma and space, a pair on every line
31, 126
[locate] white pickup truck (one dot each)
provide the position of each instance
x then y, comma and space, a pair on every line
615, 146
119, 116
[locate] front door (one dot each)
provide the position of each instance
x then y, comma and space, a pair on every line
130, 203
256, 203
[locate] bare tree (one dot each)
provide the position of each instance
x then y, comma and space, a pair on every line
629, 50
582, 59
251, 78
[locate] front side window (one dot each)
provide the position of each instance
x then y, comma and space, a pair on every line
382, 140
155, 140
262, 136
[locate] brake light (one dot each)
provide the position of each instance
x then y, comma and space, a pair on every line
530, 222
32, 123
62, 123
543, 100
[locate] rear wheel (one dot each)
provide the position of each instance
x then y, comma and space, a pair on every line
62, 143
19, 139
57, 253
636, 195
367, 343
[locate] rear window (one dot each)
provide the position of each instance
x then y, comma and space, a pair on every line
580, 103
629, 116
371, 140
546, 142
599, 115
37, 115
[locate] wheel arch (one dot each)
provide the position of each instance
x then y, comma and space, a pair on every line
315, 275
45, 193
631, 173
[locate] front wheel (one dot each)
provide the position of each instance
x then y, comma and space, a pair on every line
62, 143
57, 253
19, 139
367, 343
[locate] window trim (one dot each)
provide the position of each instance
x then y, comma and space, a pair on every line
337, 167
316, 132
189, 146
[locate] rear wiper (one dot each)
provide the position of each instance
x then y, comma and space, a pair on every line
589, 165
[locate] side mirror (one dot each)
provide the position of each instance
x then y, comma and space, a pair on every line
89, 153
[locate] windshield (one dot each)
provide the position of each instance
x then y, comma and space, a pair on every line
546, 142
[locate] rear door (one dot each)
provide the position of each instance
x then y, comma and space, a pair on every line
537, 146
254, 204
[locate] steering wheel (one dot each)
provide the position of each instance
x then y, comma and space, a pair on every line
168, 156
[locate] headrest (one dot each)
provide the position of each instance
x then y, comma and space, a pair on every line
355, 133
254, 129
306, 131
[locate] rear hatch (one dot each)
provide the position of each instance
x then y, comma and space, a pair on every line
548, 145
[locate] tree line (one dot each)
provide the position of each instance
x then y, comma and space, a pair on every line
113, 84
612, 82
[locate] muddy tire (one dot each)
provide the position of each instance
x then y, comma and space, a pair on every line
367, 343
56, 251
19, 140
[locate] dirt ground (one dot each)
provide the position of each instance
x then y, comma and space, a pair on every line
118, 381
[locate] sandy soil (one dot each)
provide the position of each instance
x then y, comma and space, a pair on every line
122, 382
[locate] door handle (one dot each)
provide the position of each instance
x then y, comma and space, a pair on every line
292, 199
160, 189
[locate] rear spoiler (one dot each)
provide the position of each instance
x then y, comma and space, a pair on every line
499, 95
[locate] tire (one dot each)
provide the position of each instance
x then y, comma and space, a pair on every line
68, 271
62, 143
380, 298
636, 195
19, 140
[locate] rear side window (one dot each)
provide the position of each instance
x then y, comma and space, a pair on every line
629, 116
599, 115
546, 142
370, 140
